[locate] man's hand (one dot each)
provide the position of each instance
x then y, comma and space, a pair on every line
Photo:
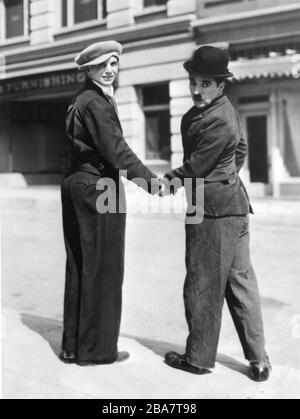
156, 186
165, 188
162, 191
170, 187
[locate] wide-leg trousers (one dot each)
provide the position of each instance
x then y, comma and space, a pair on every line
94, 271
218, 268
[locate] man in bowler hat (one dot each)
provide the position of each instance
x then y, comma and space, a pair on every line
94, 239
217, 250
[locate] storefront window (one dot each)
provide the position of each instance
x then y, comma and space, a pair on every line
14, 18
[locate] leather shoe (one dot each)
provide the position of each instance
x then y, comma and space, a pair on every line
122, 356
179, 362
260, 371
67, 357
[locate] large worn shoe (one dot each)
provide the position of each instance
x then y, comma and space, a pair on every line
179, 362
260, 371
122, 356
67, 357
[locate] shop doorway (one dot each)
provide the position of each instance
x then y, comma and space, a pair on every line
35, 133
257, 134
255, 121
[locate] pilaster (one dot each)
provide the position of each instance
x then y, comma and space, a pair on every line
120, 13
181, 7
180, 103
42, 21
132, 118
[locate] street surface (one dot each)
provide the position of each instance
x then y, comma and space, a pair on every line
33, 262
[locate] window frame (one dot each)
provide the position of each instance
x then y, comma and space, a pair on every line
155, 107
19, 38
142, 11
71, 24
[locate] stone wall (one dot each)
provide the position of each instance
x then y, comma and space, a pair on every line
42, 21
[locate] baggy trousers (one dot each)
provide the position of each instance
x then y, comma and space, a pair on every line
94, 271
218, 268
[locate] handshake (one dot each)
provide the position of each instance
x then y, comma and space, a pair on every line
165, 187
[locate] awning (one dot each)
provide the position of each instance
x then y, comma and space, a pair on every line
266, 68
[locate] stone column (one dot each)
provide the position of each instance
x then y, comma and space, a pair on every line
132, 119
276, 161
120, 13
180, 103
181, 7
42, 21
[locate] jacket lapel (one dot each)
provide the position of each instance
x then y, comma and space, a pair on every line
90, 85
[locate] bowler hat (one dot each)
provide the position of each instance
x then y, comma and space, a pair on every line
209, 61
98, 53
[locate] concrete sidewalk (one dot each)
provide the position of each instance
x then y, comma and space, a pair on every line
32, 370
33, 263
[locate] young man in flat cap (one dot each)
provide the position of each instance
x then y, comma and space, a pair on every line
94, 238
217, 250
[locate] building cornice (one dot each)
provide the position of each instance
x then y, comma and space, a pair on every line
253, 17
142, 32
66, 61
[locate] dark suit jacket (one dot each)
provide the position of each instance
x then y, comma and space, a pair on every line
215, 151
96, 136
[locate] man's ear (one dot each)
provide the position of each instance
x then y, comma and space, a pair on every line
88, 70
222, 87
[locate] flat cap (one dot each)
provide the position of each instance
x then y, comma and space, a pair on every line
98, 53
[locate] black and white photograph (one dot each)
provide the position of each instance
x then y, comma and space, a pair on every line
150, 202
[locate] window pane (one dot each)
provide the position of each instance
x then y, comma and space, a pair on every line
156, 102
85, 10
14, 18
104, 8
158, 135
64, 13
156, 95
148, 3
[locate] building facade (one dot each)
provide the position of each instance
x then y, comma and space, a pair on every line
38, 42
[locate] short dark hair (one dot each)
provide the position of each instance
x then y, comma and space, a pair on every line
220, 80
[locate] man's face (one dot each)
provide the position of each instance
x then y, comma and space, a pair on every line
105, 73
204, 90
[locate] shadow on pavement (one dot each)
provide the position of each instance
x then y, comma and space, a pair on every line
49, 329
161, 348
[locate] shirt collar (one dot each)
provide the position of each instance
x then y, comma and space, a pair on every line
218, 101
107, 90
